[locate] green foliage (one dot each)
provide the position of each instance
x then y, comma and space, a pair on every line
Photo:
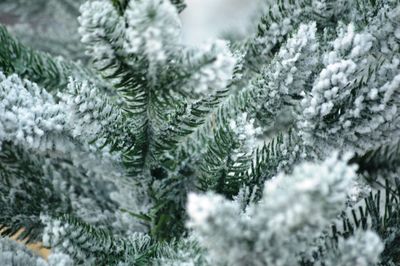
380, 212
106, 168
378, 161
97, 246
39, 67
21, 172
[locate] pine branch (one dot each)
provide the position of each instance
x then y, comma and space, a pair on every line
185, 122
86, 243
281, 153
21, 172
130, 80
51, 73
383, 159
225, 163
380, 215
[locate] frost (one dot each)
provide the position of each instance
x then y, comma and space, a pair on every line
294, 210
147, 28
61, 237
216, 73
15, 254
245, 132
200, 208
88, 111
153, 29
29, 115
169, 119
362, 249
279, 25
60, 259
97, 17
369, 110
290, 69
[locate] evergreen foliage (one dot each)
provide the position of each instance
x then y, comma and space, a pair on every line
122, 143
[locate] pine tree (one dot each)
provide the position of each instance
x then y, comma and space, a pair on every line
125, 143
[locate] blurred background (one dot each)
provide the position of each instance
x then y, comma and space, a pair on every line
48, 25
